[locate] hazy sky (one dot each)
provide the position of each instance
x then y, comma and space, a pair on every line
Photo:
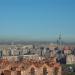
37, 19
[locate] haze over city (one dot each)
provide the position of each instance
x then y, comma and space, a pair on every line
37, 19
37, 37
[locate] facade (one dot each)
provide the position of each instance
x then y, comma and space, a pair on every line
27, 46
31, 67
70, 59
32, 70
11, 58
67, 51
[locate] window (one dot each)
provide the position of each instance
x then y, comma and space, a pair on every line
2, 73
45, 71
56, 71
32, 71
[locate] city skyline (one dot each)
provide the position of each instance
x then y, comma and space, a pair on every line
37, 20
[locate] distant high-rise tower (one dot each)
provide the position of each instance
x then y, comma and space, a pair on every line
59, 41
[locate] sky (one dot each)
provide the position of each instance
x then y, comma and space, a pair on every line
37, 19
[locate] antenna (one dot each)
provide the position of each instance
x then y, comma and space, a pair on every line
60, 38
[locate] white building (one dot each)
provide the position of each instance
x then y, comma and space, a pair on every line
27, 46
11, 58
70, 59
